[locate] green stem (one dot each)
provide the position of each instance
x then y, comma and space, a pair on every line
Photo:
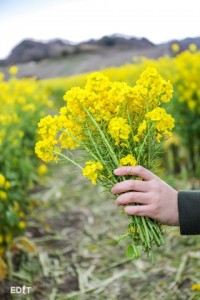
98, 152
146, 232
82, 144
144, 141
111, 151
67, 158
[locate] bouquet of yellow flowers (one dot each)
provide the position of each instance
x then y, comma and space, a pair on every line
115, 125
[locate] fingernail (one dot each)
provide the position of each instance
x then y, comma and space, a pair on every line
116, 171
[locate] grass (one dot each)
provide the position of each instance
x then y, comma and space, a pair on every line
75, 228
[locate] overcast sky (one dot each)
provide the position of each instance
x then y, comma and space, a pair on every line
78, 20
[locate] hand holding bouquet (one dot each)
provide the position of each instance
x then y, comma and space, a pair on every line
115, 125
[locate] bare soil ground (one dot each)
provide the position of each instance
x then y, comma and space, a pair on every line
75, 228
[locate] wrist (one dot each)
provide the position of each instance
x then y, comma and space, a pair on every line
175, 216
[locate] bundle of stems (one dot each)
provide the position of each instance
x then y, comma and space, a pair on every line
115, 125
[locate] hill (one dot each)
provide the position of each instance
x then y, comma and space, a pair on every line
61, 58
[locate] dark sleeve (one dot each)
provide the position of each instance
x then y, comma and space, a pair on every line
189, 212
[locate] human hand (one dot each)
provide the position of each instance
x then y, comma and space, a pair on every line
158, 200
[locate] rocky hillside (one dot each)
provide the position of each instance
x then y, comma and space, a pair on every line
59, 58
30, 50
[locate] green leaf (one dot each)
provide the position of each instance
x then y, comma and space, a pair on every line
130, 253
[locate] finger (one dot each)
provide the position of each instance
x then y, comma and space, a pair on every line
138, 210
130, 185
136, 171
131, 197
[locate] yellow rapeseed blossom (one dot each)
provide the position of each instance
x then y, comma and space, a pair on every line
48, 129
3, 195
91, 171
119, 129
150, 90
7, 185
2, 180
13, 70
192, 47
175, 47
128, 160
42, 170
163, 122
195, 287
44, 150
141, 130
28, 107
22, 225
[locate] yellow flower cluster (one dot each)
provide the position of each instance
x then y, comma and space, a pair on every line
115, 105
92, 170
48, 129
119, 129
104, 115
141, 130
46, 151
164, 122
22, 103
4, 186
151, 85
128, 160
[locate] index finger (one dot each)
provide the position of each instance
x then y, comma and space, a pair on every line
136, 171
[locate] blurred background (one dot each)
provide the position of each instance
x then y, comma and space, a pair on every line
59, 234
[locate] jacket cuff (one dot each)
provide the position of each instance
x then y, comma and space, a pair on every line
189, 212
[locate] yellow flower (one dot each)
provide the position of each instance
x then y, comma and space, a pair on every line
2, 180
48, 128
63, 111
153, 88
163, 120
175, 47
97, 82
7, 185
29, 107
119, 129
141, 129
195, 287
21, 214
22, 225
72, 132
13, 70
91, 170
44, 150
3, 195
128, 160
192, 47
42, 170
